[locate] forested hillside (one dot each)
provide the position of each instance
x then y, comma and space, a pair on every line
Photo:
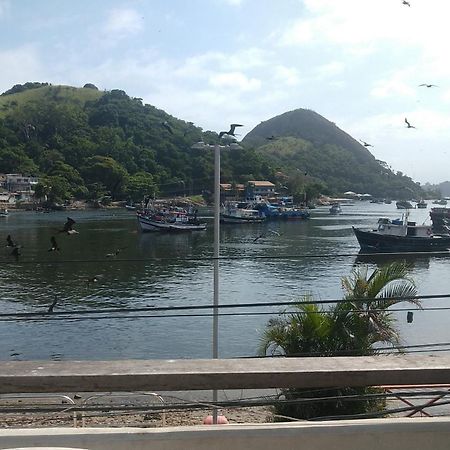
85, 143
302, 139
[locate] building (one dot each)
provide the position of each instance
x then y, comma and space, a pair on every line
259, 189
229, 191
16, 182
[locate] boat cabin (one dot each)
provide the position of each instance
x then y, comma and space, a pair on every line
403, 227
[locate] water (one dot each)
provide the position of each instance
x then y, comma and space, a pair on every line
32, 284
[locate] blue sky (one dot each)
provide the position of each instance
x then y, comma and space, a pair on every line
356, 62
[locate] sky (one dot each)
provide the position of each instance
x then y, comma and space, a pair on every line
358, 63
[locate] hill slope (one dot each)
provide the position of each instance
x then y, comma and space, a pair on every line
307, 141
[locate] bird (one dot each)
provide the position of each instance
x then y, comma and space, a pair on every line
262, 235
68, 227
9, 241
365, 143
111, 255
166, 125
93, 279
272, 138
54, 247
428, 85
50, 308
408, 125
230, 132
406, 3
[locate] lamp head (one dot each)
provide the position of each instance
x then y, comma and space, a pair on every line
199, 145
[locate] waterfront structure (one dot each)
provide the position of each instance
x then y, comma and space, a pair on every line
262, 189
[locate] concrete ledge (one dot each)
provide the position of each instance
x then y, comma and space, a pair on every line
395, 434
170, 375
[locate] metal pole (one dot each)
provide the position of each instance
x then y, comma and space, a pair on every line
215, 349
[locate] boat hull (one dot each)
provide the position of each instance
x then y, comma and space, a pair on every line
149, 225
227, 218
373, 241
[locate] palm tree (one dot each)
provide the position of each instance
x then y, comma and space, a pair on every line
351, 327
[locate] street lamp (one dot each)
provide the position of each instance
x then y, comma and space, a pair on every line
232, 145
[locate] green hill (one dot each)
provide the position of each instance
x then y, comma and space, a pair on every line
85, 143
304, 140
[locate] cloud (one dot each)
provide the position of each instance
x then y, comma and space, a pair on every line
234, 2
122, 22
234, 81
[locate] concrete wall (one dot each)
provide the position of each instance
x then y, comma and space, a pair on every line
379, 434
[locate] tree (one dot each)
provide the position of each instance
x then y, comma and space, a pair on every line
140, 185
351, 327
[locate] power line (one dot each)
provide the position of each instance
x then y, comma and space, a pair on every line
225, 258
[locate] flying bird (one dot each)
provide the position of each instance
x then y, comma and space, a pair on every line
50, 308
231, 130
406, 3
263, 235
365, 143
54, 247
68, 227
408, 125
428, 85
166, 125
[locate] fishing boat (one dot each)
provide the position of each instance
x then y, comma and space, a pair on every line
240, 212
335, 209
422, 204
401, 236
174, 219
441, 219
284, 212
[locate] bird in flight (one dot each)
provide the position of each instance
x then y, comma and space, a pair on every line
50, 308
428, 85
68, 227
263, 235
54, 247
166, 125
406, 3
231, 130
365, 143
408, 125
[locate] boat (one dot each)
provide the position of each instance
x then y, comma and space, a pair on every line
422, 204
401, 236
442, 202
130, 207
173, 220
335, 209
279, 211
403, 204
440, 217
241, 212
4, 212
387, 201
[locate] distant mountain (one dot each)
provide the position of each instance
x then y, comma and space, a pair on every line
304, 140
442, 188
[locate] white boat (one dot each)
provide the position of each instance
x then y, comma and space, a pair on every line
173, 220
240, 213
4, 212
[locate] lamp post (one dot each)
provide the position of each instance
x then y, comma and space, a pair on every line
215, 339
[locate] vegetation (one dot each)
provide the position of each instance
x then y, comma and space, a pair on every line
302, 139
354, 326
106, 143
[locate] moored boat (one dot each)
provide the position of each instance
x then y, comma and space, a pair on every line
401, 236
335, 209
240, 213
169, 220
422, 204
441, 219
403, 204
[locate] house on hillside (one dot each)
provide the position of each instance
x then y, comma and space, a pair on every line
231, 191
16, 182
259, 189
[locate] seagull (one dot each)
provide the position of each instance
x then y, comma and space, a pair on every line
365, 143
68, 227
406, 3
408, 125
231, 131
50, 308
166, 125
428, 85
54, 247
9, 241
